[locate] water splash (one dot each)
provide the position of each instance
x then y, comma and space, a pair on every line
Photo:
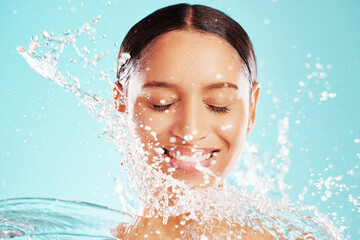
242, 203
46, 218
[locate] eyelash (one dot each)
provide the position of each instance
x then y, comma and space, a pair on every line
220, 110
161, 108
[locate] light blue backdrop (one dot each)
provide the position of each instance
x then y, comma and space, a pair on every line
49, 145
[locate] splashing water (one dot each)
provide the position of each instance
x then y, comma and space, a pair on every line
243, 200
46, 218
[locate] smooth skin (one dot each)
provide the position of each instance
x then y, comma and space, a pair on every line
194, 85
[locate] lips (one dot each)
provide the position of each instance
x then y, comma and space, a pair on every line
187, 159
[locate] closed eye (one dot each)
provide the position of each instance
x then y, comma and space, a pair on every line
221, 110
161, 108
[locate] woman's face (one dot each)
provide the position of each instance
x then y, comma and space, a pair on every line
192, 109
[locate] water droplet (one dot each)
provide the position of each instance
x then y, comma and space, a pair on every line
10, 233
171, 170
86, 27
332, 95
226, 127
34, 38
45, 34
301, 84
96, 20
67, 32
319, 66
188, 137
323, 75
324, 96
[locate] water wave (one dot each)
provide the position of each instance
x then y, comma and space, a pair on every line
51, 218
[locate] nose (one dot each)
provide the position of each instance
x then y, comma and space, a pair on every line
190, 124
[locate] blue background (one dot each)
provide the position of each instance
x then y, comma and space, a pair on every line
49, 145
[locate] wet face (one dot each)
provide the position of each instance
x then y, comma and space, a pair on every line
192, 107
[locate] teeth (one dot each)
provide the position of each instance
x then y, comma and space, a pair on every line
197, 157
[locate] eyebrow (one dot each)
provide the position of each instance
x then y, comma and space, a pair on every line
171, 85
222, 85
159, 84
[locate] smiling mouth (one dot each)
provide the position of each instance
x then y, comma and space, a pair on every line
193, 157
190, 160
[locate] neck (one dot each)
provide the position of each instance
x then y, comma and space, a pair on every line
155, 216
156, 226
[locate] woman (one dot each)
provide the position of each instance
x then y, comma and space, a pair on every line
193, 102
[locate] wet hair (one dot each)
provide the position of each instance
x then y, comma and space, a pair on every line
185, 17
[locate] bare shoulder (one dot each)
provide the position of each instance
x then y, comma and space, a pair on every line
218, 229
142, 228
127, 231
247, 231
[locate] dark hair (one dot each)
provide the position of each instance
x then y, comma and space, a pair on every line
181, 17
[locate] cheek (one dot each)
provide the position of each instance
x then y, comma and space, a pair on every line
232, 127
150, 123
232, 130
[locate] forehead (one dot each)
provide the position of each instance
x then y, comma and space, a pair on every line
184, 55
